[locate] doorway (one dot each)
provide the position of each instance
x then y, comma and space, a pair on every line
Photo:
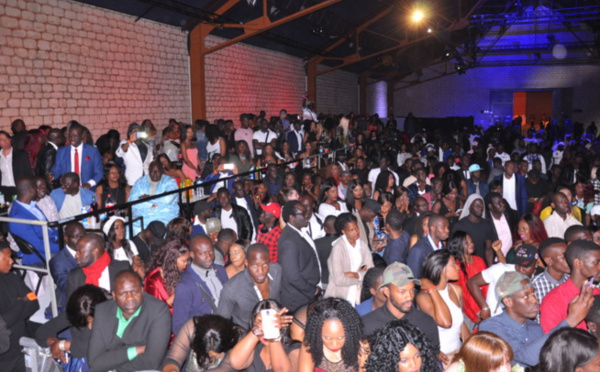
534, 109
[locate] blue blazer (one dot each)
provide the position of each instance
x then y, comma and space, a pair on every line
60, 266
413, 191
484, 188
521, 190
59, 196
189, 298
91, 167
295, 147
417, 255
197, 230
32, 234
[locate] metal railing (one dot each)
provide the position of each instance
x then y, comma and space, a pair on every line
182, 200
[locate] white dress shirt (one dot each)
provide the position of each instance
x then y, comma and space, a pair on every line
8, 177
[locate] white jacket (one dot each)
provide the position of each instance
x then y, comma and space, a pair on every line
134, 167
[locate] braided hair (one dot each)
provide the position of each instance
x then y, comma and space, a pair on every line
334, 309
390, 341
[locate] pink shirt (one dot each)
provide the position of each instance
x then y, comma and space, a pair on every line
555, 305
504, 234
246, 135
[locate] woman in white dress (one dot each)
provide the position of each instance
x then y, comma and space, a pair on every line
329, 201
120, 248
443, 301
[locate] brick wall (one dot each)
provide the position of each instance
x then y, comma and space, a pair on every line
63, 60
337, 92
469, 94
244, 78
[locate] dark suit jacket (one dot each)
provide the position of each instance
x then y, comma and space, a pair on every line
413, 191
417, 254
521, 193
91, 164
31, 233
189, 298
295, 147
45, 160
484, 188
242, 219
77, 277
152, 328
60, 266
300, 269
21, 166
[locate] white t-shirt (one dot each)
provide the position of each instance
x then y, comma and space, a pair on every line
375, 172
227, 220
509, 191
262, 137
71, 206
491, 276
120, 254
329, 210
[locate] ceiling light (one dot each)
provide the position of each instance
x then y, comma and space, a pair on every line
429, 30
418, 16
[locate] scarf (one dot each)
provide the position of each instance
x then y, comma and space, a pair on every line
94, 271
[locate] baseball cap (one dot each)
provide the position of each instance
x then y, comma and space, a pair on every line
213, 225
202, 206
399, 275
372, 205
273, 208
526, 255
474, 168
510, 283
157, 229
108, 224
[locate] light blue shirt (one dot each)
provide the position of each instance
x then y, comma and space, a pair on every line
34, 209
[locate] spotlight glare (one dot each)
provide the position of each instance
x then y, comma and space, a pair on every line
429, 30
418, 16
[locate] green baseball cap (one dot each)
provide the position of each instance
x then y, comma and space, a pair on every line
510, 283
399, 275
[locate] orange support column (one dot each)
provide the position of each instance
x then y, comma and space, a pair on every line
311, 80
362, 84
197, 72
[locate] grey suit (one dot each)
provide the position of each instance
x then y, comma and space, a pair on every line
152, 328
239, 297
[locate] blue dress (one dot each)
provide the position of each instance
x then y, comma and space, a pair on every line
162, 209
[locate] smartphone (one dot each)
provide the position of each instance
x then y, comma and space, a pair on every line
228, 166
589, 283
268, 324
140, 134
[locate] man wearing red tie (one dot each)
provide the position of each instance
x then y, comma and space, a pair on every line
80, 158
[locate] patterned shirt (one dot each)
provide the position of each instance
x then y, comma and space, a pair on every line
544, 283
270, 239
596, 184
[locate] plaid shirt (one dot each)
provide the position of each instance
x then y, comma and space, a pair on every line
270, 239
596, 184
544, 283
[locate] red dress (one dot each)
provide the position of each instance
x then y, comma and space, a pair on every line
470, 307
155, 286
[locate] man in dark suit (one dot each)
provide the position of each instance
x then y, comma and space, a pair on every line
47, 155
19, 130
298, 259
80, 158
64, 261
130, 333
438, 233
95, 265
295, 139
514, 188
14, 164
199, 289
25, 208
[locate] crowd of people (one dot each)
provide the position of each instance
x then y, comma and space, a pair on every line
411, 249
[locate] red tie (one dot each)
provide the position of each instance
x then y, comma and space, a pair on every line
76, 162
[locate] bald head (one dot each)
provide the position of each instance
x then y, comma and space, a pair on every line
202, 251
26, 189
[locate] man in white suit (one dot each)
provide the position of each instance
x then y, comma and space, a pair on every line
136, 155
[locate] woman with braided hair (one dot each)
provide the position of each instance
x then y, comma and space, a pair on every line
332, 338
401, 347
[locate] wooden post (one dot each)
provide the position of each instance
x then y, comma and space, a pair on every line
362, 83
311, 81
197, 72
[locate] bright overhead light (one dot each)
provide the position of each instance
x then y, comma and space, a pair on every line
418, 16
429, 30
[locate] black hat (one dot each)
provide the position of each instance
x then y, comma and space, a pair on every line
157, 229
201, 206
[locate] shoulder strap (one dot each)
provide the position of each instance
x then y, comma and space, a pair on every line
211, 302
